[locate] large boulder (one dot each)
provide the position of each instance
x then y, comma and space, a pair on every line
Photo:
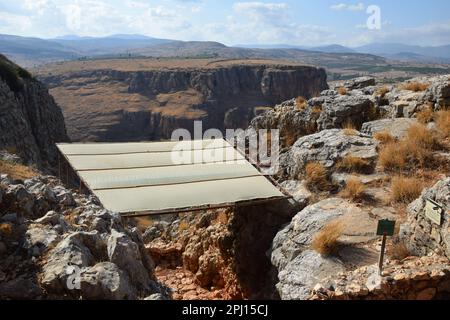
300, 276
105, 281
397, 127
438, 93
360, 83
327, 148
298, 235
423, 236
339, 110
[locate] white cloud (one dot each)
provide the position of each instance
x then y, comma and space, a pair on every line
349, 7
12, 23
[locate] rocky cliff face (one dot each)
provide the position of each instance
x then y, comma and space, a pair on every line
30, 120
150, 104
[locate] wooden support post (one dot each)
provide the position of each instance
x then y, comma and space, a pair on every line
383, 249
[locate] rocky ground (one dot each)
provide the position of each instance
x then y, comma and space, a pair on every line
58, 244
353, 155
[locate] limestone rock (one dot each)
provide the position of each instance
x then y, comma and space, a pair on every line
105, 281
301, 274
31, 122
420, 233
326, 147
296, 236
397, 127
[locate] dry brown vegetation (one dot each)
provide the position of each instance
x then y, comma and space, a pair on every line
183, 226
301, 103
350, 129
415, 86
384, 137
317, 177
412, 151
354, 164
399, 251
405, 189
326, 241
17, 171
342, 91
425, 116
222, 218
383, 91
6, 229
354, 190
443, 122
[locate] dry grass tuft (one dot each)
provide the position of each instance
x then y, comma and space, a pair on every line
399, 251
415, 149
183, 226
443, 122
383, 91
342, 91
301, 103
143, 223
384, 137
425, 116
406, 190
350, 129
17, 171
354, 164
6, 229
326, 241
222, 218
317, 177
354, 190
415, 86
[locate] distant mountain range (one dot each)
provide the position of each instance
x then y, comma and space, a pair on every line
35, 51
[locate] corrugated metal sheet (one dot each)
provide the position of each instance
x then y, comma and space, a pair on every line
148, 177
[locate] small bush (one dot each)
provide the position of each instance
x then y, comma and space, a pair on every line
443, 122
301, 103
399, 251
383, 91
406, 190
6, 229
354, 190
342, 91
392, 157
350, 129
17, 171
354, 164
183, 226
415, 86
425, 116
326, 241
420, 135
317, 177
384, 137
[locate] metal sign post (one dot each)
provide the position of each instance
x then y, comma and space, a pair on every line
385, 228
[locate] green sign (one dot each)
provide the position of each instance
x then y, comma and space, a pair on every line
386, 228
433, 211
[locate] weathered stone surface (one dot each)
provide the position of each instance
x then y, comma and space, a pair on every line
126, 255
302, 273
414, 278
30, 120
295, 237
326, 147
105, 281
39, 239
360, 83
422, 235
397, 127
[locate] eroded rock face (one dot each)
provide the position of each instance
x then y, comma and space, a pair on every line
153, 103
422, 235
326, 147
68, 249
30, 120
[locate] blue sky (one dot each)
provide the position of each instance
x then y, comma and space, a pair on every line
301, 22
